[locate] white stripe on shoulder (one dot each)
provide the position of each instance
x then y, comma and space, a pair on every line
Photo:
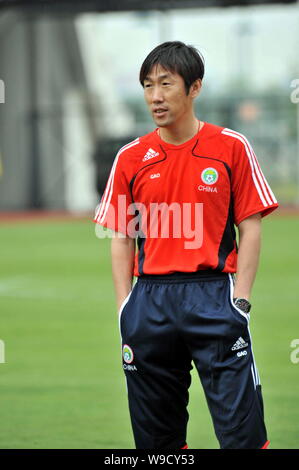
109, 187
263, 176
259, 179
260, 174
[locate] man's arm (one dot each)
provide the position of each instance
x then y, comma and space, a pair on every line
122, 260
248, 255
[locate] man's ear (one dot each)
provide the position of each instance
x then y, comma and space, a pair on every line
195, 88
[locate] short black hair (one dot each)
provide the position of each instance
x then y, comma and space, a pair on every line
176, 57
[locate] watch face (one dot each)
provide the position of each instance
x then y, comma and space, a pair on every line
243, 305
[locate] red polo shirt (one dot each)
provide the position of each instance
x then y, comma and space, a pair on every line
182, 202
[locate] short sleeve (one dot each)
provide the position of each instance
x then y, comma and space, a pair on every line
251, 191
115, 208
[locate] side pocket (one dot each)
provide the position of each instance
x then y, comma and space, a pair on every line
122, 307
245, 316
124, 303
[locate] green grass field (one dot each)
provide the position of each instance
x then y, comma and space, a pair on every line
62, 385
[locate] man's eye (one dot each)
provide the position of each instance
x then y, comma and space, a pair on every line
165, 83
147, 85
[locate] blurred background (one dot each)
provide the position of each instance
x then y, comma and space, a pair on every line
69, 99
72, 96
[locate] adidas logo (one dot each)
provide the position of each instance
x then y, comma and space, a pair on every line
239, 344
150, 154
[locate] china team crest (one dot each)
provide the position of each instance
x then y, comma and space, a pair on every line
209, 176
128, 354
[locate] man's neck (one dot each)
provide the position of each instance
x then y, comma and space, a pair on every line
180, 132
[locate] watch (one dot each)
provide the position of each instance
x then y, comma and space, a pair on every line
242, 304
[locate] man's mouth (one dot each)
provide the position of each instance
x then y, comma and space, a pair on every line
159, 111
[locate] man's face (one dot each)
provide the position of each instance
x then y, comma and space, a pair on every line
166, 97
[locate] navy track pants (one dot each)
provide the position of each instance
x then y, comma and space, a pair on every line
167, 322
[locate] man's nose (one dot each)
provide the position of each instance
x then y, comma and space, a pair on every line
157, 95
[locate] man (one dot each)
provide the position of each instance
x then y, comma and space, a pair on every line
186, 304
